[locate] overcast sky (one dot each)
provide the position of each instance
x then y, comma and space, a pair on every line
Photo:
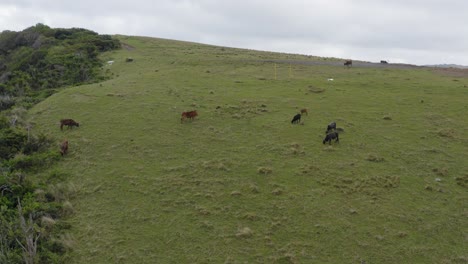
405, 31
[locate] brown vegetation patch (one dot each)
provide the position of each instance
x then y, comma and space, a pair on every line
264, 170
245, 109
452, 72
447, 132
374, 158
462, 180
294, 149
369, 185
440, 172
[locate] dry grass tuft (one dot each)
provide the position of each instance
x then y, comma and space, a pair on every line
250, 216
369, 185
447, 132
286, 258
244, 232
40, 195
254, 188
402, 234
277, 191
294, 149
462, 180
236, 193
215, 165
67, 208
307, 169
65, 240
374, 158
265, 170
203, 211
61, 191
47, 222
440, 172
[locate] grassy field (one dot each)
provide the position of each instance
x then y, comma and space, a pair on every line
240, 183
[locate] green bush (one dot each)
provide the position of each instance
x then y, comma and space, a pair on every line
11, 142
40, 57
34, 161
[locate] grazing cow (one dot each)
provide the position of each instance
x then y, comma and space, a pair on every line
190, 114
296, 119
383, 62
330, 127
331, 136
304, 111
348, 63
68, 122
64, 147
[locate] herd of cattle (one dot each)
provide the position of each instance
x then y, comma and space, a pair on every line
331, 132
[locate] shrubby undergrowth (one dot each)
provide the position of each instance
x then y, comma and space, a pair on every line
34, 63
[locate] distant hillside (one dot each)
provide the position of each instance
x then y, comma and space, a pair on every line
448, 66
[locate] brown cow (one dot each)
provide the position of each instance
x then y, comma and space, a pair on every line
64, 147
191, 115
348, 63
68, 122
304, 111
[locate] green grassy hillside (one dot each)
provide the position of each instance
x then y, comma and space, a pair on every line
240, 183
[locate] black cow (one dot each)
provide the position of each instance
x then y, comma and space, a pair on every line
348, 63
384, 62
330, 127
331, 136
296, 119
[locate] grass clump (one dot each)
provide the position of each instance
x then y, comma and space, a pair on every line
265, 170
447, 132
462, 180
244, 232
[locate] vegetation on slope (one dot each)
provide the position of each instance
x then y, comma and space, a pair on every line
240, 184
34, 63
